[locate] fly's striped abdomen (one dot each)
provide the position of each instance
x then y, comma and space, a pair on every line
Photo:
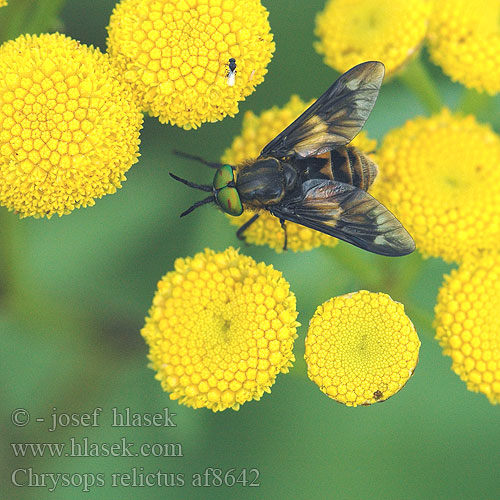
345, 164
351, 166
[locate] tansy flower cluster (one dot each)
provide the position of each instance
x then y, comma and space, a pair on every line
440, 177
464, 39
220, 329
175, 54
354, 31
256, 132
467, 323
361, 348
69, 129
70, 115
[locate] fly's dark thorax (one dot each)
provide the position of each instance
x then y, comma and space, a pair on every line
345, 164
261, 182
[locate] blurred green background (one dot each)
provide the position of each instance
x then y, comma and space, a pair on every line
74, 292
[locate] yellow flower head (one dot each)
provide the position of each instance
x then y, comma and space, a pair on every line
69, 130
439, 176
220, 329
3, 3
354, 31
361, 348
464, 39
467, 323
257, 131
176, 53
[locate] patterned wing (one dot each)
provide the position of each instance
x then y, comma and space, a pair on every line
348, 213
335, 118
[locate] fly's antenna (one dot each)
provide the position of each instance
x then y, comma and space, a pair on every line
201, 187
210, 164
198, 204
208, 189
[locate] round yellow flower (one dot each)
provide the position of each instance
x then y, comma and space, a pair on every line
220, 329
439, 176
354, 31
464, 39
361, 348
467, 324
175, 54
69, 130
257, 131
3, 3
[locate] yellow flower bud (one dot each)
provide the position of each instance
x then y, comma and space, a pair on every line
354, 31
210, 334
69, 129
438, 175
176, 55
464, 39
467, 325
361, 348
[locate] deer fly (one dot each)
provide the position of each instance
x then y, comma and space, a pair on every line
310, 175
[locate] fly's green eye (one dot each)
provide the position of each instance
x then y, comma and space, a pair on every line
229, 200
223, 176
227, 197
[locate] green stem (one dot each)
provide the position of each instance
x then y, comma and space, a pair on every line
416, 77
299, 367
474, 102
408, 270
351, 258
422, 319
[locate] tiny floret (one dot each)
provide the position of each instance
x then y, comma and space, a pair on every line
69, 129
390, 31
439, 176
179, 57
467, 323
464, 39
220, 329
256, 132
361, 348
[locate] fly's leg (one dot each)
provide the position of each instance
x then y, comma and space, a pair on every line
245, 226
282, 222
